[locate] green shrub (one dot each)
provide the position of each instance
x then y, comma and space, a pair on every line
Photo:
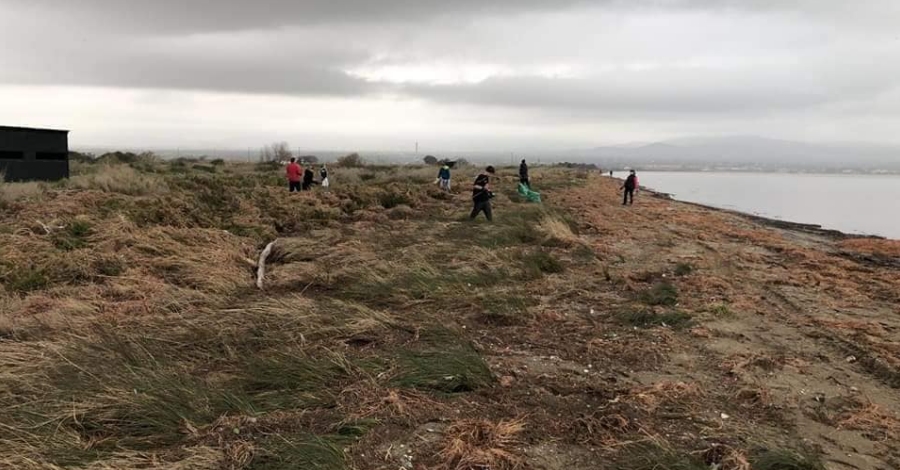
683, 269
662, 293
721, 311
110, 266
26, 280
73, 237
539, 263
393, 199
646, 319
205, 168
784, 460
504, 311
302, 451
351, 161
449, 365
645, 457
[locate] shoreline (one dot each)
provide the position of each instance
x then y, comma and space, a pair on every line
813, 229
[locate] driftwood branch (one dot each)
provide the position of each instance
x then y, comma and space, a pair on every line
49, 228
261, 266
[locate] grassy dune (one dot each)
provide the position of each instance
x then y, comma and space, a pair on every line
393, 333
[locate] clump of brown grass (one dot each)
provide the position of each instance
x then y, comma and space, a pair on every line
480, 444
871, 417
119, 179
872, 246
12, 192
636, 352
665, 394
557, 231
726, 457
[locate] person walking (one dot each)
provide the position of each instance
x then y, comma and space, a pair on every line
631, 183
481, 195
523, 174
294, 170
444, 177
323, 173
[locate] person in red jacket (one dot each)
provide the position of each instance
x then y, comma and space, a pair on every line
294, 175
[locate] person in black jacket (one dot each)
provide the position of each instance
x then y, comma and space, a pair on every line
523, 174
308, 179
629, 186
481, 195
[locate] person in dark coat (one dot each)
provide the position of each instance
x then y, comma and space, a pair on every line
308, 179
481, 195
523, 174
631, 183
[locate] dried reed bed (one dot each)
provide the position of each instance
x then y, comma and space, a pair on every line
882, 424
149, 346
479, 444
14, 192
872, 246
134, 321
120, 179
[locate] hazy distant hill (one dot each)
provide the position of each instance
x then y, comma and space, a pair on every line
747, 150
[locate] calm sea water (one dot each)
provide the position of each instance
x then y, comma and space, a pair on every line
864, 204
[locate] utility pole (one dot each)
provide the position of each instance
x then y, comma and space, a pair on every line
417, 149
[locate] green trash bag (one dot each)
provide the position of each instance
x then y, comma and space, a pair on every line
531, 196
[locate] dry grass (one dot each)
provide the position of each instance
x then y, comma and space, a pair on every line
557, 230
13, 192
132, 335
872, 246
673, 396
879, 423
120, 179
481, 444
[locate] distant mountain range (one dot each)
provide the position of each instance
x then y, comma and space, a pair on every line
745, 150
748, 152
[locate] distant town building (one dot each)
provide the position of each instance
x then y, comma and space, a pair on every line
28, 154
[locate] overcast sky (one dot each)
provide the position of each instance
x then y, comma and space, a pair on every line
461, 74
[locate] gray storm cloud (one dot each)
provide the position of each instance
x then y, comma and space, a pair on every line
657, 57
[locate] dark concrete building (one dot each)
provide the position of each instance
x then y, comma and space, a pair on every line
34, 154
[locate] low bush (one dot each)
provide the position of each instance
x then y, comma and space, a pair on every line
784, 460
646, 457
73, 236
24, 280
448, 365
538, 263
352, 160
683, 269
120, 179
646, 319
504, 311
390, 200
662, 293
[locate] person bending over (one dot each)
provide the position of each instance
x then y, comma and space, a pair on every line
481, 194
